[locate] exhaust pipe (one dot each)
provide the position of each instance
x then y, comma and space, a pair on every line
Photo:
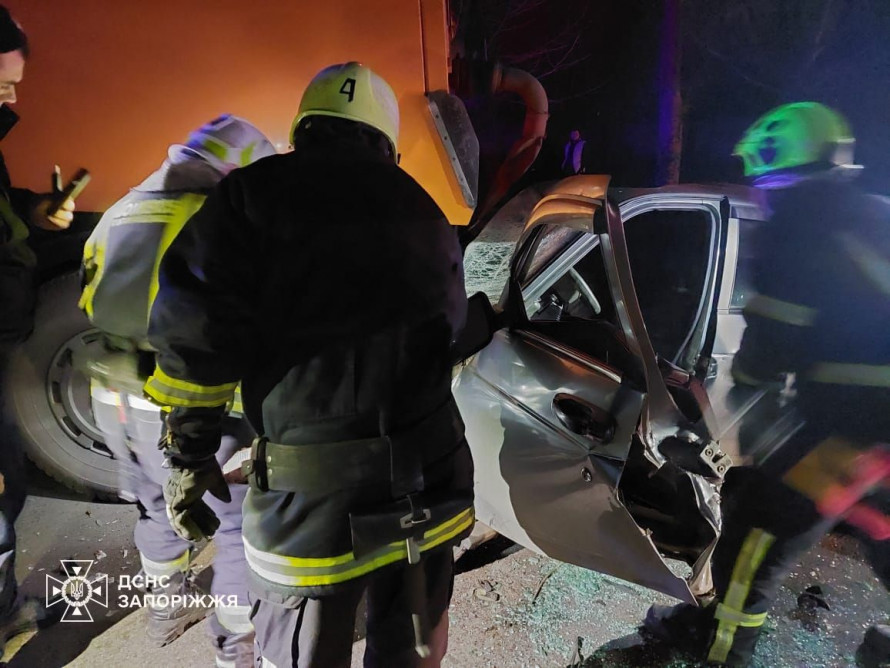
523, 152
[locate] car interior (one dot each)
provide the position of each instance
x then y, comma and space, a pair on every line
669, 286
577, 308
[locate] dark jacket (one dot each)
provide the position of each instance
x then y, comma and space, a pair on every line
331, 286
17, 260
822, 308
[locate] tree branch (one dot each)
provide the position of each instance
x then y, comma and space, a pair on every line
730, 64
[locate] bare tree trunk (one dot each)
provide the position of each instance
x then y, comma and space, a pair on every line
675, 150
670, 97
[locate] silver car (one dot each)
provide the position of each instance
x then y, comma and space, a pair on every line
602, 417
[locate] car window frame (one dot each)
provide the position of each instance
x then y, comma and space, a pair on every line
707, 287
558, 266
742, 224
713, 292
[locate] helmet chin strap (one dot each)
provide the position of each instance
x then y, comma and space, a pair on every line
779, 181
787, 179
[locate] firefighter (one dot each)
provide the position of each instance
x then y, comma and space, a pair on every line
331, 285
120, 266
20, 211
821, 310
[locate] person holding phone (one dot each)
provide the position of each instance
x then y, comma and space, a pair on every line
20, 210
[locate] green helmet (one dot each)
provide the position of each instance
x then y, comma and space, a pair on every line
356, 93
794, 135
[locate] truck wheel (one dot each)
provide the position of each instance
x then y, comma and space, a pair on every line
49, 403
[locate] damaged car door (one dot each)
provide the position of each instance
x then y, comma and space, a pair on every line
567, 410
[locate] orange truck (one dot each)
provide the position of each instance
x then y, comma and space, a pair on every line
109, 85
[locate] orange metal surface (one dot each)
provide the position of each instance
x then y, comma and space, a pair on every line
111, 83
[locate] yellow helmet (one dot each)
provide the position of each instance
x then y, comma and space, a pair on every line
354, 92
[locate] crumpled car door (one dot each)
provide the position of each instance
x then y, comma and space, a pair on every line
554, 404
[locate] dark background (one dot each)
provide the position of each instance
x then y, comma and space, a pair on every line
607, 66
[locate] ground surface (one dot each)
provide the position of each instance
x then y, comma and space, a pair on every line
512, 608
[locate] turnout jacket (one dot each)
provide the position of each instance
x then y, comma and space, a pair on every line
331, 286
123, 253
822, 308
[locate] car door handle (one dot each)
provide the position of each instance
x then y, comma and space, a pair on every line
584, 418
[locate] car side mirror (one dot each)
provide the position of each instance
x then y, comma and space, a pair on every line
482, 322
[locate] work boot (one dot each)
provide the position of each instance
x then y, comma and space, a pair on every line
28, 614
689, 629
684, 627
874, 652
167, 623
235, 650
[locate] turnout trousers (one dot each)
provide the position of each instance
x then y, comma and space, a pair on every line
12, 500
774, 513
132, 433
319, 632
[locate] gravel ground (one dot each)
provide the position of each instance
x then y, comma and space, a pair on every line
529, 611
511, 608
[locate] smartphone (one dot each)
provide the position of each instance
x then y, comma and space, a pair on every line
71, 190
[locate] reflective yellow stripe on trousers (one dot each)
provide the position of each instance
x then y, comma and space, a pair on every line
730, 614
171, 391
308, 572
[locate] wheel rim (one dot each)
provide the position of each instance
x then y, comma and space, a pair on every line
68, 393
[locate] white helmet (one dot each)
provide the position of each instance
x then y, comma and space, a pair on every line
229, 142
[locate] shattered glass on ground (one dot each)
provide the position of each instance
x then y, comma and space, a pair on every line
530, 611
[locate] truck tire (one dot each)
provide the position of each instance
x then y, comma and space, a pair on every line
49, 402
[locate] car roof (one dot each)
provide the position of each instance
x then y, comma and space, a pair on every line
746, 202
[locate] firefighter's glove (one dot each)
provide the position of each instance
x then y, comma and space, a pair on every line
190, 442
189, 515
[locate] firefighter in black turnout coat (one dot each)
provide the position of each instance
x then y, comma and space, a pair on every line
330, 285
821, 312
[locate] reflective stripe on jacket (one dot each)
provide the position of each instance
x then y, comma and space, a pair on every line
122, 255
823, 302
319, 572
